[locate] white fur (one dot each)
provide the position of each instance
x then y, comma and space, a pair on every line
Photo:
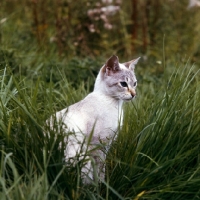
100, 114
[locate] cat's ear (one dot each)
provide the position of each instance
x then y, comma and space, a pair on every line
131, 64
112, 65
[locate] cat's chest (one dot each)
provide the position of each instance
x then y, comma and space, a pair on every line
104, 118
108, 117
106, 109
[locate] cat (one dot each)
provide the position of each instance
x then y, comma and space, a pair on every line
96, 119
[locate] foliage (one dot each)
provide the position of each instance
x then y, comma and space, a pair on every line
80, 28
155, 156
42, 70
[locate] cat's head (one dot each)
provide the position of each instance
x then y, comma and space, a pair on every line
117, 80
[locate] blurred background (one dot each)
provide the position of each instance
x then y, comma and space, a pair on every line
62, 30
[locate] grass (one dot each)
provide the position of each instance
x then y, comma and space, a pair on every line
156, 155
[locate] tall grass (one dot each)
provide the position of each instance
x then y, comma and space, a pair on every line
156, 155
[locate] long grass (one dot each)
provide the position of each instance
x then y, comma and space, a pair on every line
156, 155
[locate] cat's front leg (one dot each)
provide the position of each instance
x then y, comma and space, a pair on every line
99, 167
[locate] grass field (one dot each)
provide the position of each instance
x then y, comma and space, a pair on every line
157, 153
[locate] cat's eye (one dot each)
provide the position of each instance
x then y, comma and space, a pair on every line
135, 83
123, 84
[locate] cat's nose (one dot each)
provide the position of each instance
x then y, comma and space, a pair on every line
133, 93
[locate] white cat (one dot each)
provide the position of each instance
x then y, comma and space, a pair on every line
96, 119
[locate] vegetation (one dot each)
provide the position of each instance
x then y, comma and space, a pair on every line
50, 53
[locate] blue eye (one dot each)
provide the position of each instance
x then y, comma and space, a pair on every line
123, 84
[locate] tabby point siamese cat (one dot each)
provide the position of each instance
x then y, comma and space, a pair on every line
96, 119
